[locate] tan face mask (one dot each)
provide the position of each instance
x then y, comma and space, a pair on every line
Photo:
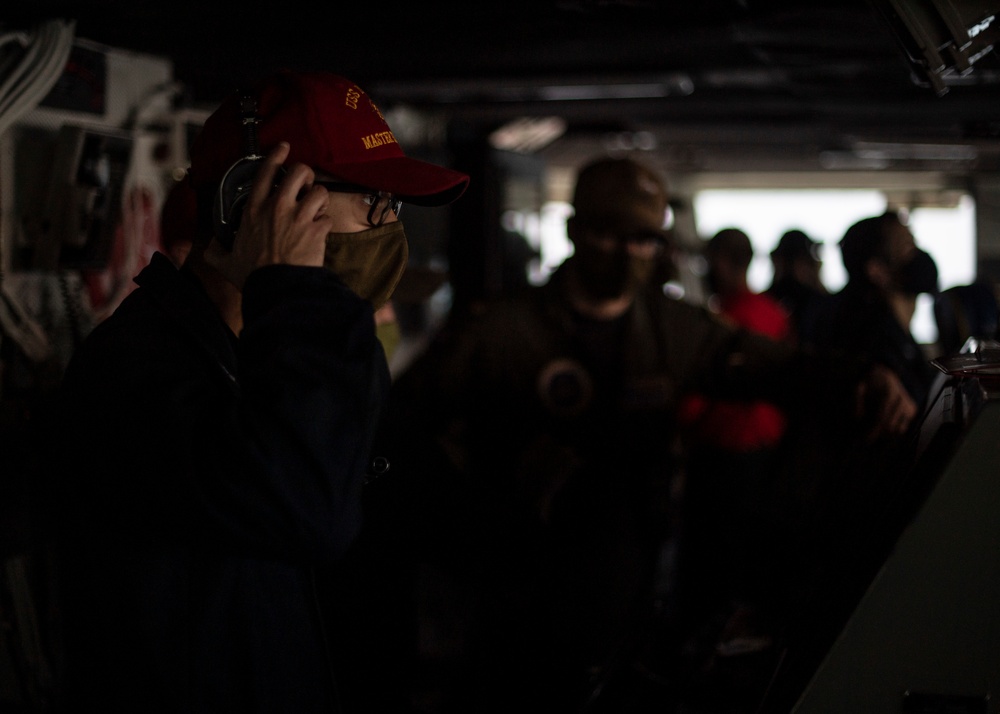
369, 262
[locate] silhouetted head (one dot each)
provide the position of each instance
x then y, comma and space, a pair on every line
728, 254
731, 244
796, 245
881, 251
618, 226
867, 239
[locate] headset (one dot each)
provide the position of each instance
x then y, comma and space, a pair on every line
234, 190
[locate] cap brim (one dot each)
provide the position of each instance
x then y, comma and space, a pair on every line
410, 180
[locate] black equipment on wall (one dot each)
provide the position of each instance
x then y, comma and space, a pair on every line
69, 196
944, 39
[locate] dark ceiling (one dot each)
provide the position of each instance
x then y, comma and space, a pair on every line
766, 80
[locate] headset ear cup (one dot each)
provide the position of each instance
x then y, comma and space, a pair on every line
234, 190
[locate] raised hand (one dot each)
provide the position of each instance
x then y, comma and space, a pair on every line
283, 225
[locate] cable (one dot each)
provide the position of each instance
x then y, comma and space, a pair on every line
42, 64
22, 88
37, 71
16, 324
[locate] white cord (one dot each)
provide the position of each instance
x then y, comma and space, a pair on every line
50, 39
27, 84
16, 324
37, 72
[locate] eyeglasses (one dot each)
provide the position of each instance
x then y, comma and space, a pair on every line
641, 243
379, 202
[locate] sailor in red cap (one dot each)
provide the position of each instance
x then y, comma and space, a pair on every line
217, 428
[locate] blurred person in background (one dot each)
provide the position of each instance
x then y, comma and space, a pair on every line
730, 447
536, 446
797, 282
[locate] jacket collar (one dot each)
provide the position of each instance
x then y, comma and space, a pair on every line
182, 298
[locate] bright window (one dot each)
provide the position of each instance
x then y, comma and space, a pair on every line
948, 234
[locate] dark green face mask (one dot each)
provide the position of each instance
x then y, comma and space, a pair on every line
369, 262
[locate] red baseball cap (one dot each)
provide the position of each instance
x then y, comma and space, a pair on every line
333, 127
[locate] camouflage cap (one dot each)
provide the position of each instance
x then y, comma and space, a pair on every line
620, 194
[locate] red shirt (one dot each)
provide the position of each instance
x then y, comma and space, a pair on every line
739, 425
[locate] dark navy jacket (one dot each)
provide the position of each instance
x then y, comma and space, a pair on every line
205, 481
